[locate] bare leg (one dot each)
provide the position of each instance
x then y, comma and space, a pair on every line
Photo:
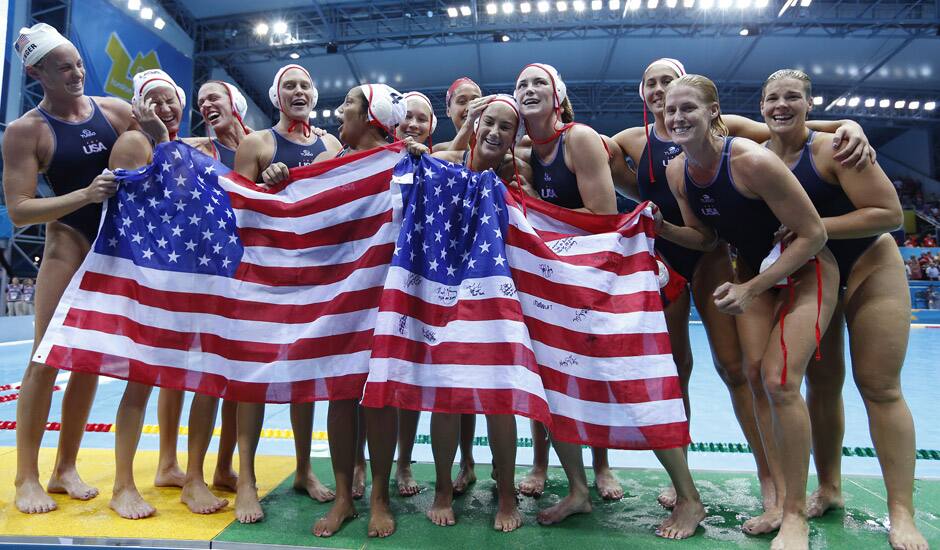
250, 419
444, 435
359, 472
688, 511
342, 424
878, 313
407, 430
225, 477
608, 486
578, 500
382, 438
501, 429
63, 254
305, 481
533, 484
466, 476
169, 409
196, 494
126, 499
824, 381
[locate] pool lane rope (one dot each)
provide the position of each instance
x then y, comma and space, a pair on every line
481, 441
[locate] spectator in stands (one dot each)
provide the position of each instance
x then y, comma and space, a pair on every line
933, 273
907, 269
911, 241
26, 298
928, 241
14, 293
916, 272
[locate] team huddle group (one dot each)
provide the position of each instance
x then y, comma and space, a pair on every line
776, 230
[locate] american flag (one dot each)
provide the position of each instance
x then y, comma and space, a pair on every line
547, 313
201, 281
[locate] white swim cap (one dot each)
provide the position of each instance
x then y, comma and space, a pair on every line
276, 86
386, 107
151, 79
558, 85
431, 107
511, 101
673, 64
33, 43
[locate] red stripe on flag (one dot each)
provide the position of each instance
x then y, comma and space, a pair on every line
658, 436
231, 308
646, 390
344, 232
612, 262
331, 198
236, 350
455, 353
599, 345
577, 296
379, 255
490, 309
165, 376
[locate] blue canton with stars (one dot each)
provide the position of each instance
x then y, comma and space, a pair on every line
173, 215
455, 222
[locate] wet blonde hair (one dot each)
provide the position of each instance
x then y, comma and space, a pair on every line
567, 112
709, 92
795, 74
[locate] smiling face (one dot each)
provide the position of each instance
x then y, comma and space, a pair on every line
352, 115
785, 104
496, 131
295, 94
535, 92
215, 105
417, 123
61, 71
655, 80
460, 102
688, 115
167, 107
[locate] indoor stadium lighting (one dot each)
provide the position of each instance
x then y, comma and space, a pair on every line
870, 102
294, 55
504, 38
930, 105
884, 103
146, 13
279, 27
508, 8
578, 5
744, 4
133, 5
159, 23
706, 4
326, 113
818, 100
725, 4
761, 4
543, 6
914, 105
452, 12
744, 32
597, 4
525, 7
652, 4
899, 104
688, 3
313, 114
633, 4
561, 6
491, 8
855, 101
805, 3
261, 29
671, 3
614, 5
465, 11
841, 102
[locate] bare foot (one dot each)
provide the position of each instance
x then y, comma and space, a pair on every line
381, 520
225, 480
465, 478
608, 487
667, 498
570, 505
442, 510
793, 535
533, 484
247, 507
171, 476
508, 517
359, 481
311, 485
31, 498
407, 486
684, 520
341, 512
768, 522
70, 483
130, 505
904, 534
822, 500
200, 500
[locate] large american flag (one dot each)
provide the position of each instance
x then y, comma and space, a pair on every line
426, 278
547, 313
201, 281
